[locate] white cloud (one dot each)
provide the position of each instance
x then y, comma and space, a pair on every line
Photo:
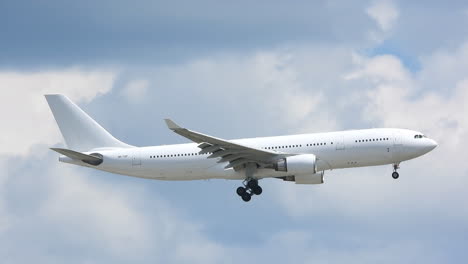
68, 208
78, 217
286, 88
23, 109
265, 78
443, 68
104, 216
135, 91
379, 68
306, 247
384, 12
42, 200
393, 96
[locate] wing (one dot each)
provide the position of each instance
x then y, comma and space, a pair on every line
235, 154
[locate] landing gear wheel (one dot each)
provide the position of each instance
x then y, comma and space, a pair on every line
252, 184
241, 191
257, 190
246, 197
395, 175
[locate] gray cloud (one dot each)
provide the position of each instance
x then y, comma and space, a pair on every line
67, 32
232, 80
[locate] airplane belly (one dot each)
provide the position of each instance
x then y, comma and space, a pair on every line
176, 170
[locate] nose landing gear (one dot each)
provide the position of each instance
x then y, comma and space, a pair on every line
395, 174
250, 188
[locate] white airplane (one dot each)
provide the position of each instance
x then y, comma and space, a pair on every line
298, 158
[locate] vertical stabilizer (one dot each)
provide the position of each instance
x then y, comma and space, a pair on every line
79, 130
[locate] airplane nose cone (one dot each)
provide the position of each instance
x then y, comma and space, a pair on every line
432, 144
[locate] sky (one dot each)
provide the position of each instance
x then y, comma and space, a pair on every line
234, 70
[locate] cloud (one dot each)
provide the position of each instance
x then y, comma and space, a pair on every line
63, 213
28, 121
104, 216
385, 15
286, 90
305, 247
444, 68
60, 213
431, 185
379, 68
135, 91
384, 12
158, 32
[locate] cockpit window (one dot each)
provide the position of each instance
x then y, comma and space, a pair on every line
419, 136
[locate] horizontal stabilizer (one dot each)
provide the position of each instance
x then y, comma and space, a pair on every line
93, 159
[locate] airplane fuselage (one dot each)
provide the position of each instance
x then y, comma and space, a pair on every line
334, 150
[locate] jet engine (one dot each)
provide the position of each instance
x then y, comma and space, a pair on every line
304, 164
302, 169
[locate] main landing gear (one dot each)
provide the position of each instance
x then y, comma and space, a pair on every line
395, 174
250, 188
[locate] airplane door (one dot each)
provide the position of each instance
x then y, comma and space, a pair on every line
397, 140
397, 147
136, 159
340, 144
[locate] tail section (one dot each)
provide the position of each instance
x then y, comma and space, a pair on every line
79, 130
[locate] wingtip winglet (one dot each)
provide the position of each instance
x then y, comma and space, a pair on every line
55, 149
171, 125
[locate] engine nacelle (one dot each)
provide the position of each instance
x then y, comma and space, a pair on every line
304, 164
302, 169
316, 178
